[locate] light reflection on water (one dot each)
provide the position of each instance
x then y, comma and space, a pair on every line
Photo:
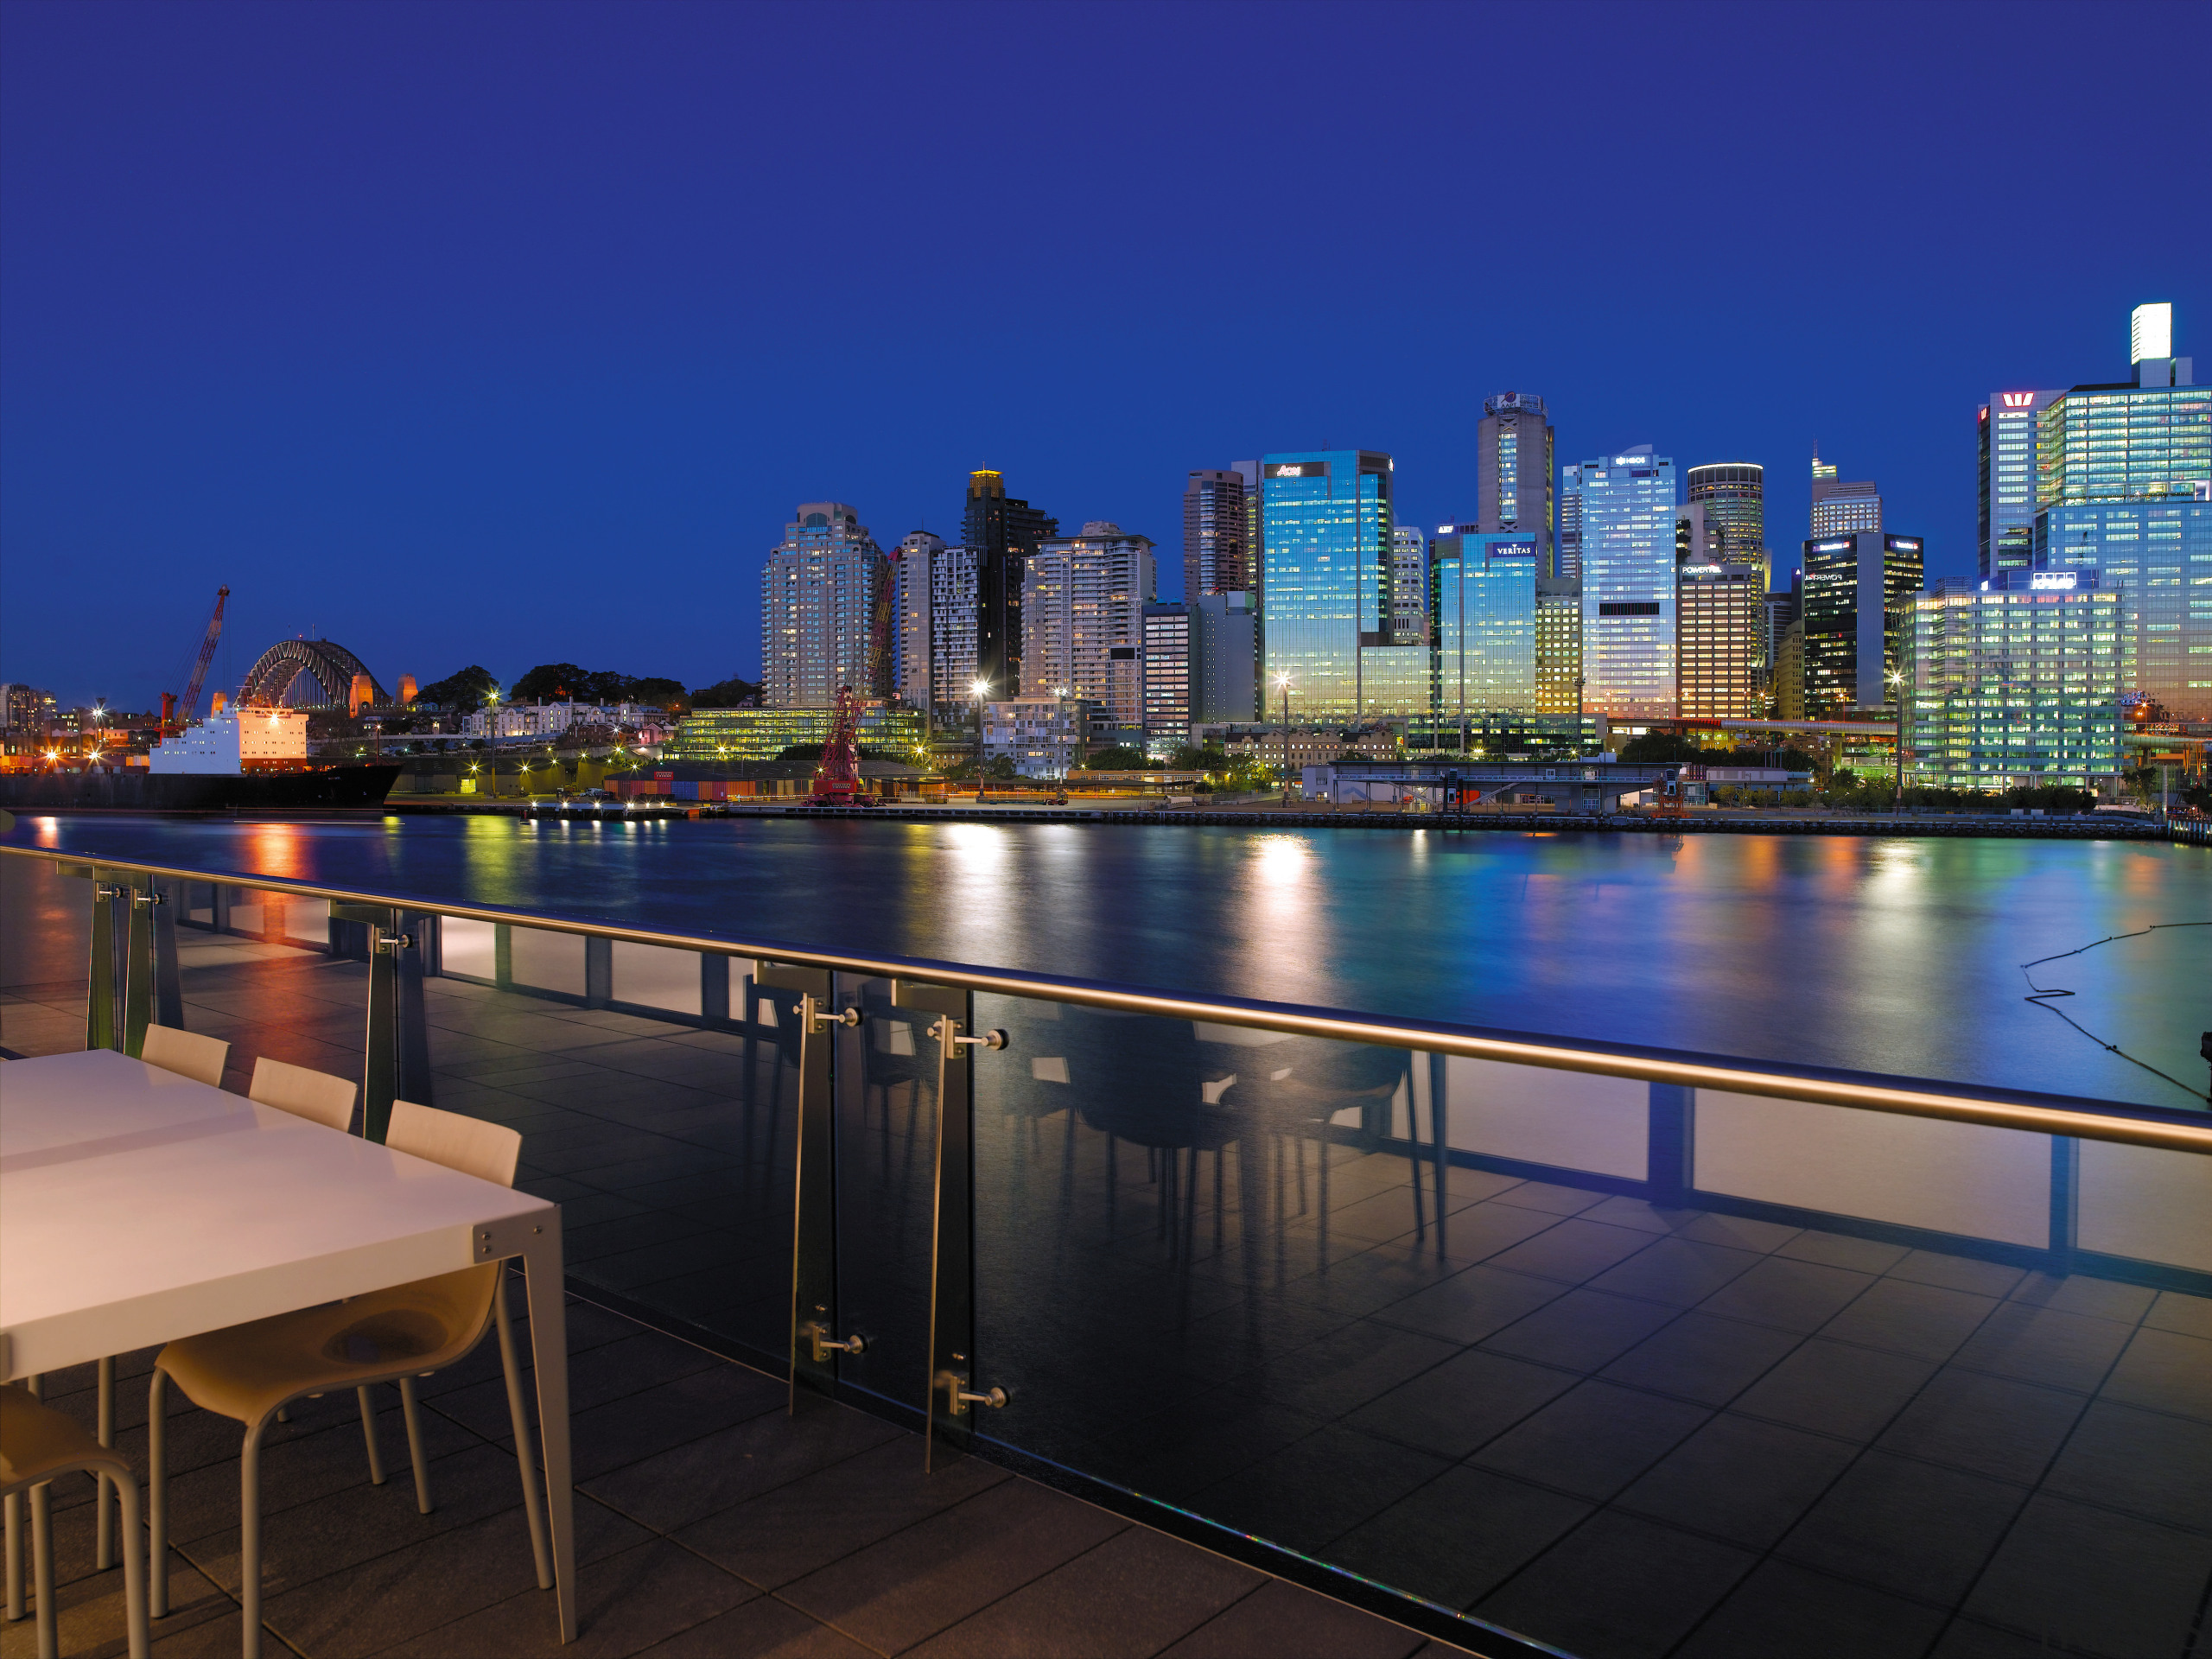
1883, 955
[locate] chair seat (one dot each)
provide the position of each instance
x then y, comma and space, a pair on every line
246, 1371
37, 1442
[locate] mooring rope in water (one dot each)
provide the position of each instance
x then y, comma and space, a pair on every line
2041, 998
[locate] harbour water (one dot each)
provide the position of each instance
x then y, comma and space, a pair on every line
1881, 954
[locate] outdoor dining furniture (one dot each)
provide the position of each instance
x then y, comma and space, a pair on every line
188, 1054
137, 1207
37, 1443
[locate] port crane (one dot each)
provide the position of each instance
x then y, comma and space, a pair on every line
177, 714
837, 779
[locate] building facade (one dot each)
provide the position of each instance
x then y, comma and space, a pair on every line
912, 620
956, 607
1408, 586
2124, 443
2015, 681
1857, 591
1002, 531
1044, 737
1228, 672
1215, 516
1733, 495
1483, 603
712, 734
1720, 651
1558, 647
1628, 584
2156, 556
1172, 668
1566, 550
2005, 442
1326, 583
818, 598
1513, 471
1842, 506
1082, 620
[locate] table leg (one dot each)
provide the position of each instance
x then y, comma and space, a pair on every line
549, 1348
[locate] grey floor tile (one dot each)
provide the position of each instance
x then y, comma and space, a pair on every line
1617, 1586
2105, 1299
1196, 1443
1833, 1388
1642, 1215
1457, 1538
1678, 1270
1782, 1609
1993, 1425
1965, 1638
1573, 1251
1905, 1526
1133, 1595
1792, 1294
1456, 1406
674, 1488
1593, 1440
763, 1628
1317, 1489
1281, 1621
916, 1582
1471, 1304
1958, 1273
2084, 1578
624, 1604
1739, 1479
1582, 1331
1344, 1370
1552, 1198
2164, 1370
1926, 1321
1481, 1230
1701, 1358
2143, 1462
789, 1532
2067, 1350
639, 1425
1741, 1232
2173, 1311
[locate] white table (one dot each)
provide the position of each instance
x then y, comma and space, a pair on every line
137, 1207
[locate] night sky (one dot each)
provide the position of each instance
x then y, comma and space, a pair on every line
510, 333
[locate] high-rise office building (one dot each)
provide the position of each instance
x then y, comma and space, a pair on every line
1628, 584
1409, 585
1171, 674
818, 599
1857, 593
1483, 604
2014, 680
1700, 537
1199, 666
1567, 553
1255, 529
911, 573
1214, 517
1788, 683
1733, 495
1558, 647
1003, 532
1229, 658
1720, 644
1325, 584
1082, 620
2155, 557
2005, 446
1842, 506
1513, 470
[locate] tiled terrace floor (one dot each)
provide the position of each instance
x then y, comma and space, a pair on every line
709, 1523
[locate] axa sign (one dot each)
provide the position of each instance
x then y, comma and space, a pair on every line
2017, 399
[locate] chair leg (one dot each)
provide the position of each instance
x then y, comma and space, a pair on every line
13, 1507
533, 1503
415, 1443
133, 1568
157, 1494
369, 1434
249, 1541
103, 1534
49, 1623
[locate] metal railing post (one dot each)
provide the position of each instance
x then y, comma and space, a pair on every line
814, 1340
1670, 1168
411, 960
102, 1028
169, 982
2065, 1201
598, 972
380, 1062
138, 963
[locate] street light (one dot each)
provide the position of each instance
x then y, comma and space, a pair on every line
1896, 695
979, 690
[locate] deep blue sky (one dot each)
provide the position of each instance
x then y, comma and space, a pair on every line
512, 333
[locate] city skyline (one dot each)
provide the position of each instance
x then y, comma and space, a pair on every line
268, 328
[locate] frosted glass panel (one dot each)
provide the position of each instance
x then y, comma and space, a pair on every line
656, 976
2138, 1201
550, 962
469, 948
1571, 1119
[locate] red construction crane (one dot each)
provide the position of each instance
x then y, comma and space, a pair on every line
837, 779
177, 714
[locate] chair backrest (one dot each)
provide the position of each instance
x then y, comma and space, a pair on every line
186, 1053
316, 1095
487, 1151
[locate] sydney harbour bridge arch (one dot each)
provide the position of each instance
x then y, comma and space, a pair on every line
307, 674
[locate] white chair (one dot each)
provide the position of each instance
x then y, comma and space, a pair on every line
249, 1371
186, 1053
38, 1443
315, 1095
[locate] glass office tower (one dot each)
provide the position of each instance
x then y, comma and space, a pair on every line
2124, 443
1003, 531
1733, 495
1558, 647
1721, 641
1408, 586
2156, 556
1513, 470
1628, 584
1326, 580
2014, 681
1856, 587
1214, 556
1567, 552
1483, 618
2006, 452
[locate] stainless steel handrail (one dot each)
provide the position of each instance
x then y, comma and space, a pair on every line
1911, 1097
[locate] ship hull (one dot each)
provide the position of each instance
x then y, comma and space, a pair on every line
138, 791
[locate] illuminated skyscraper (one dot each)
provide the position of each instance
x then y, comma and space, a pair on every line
1214, 556
1558, 647
1082, 620
1002, 531
1409, 585
1513, 470
1842, 506
1628, 584
1733, 495
1566, 556
2155, 557
1857, 591
1482, 600
911, 622
1325, 584
1721, 642
818, 598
